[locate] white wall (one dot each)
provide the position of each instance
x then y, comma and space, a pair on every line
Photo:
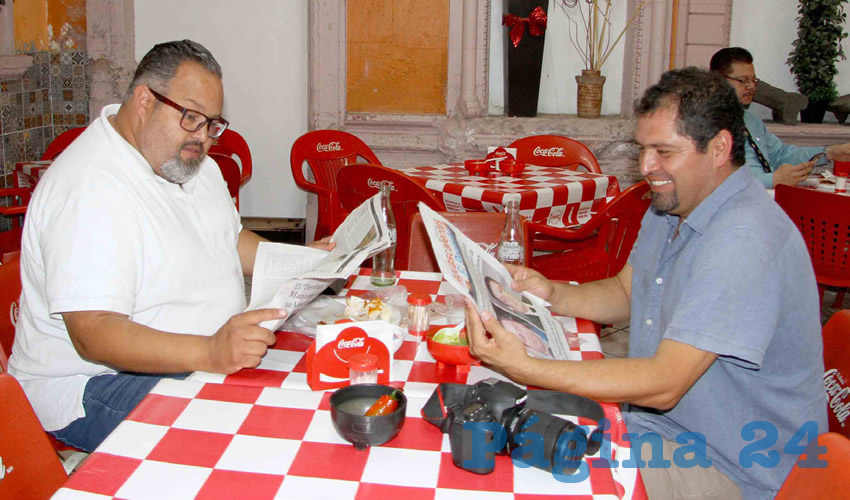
769, 40
561, 63
262, 48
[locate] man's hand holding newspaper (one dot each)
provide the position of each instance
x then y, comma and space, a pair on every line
288, 277
487, 283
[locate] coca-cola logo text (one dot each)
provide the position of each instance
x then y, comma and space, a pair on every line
351, 343
326, 148
553, 152
372, 183
837, 392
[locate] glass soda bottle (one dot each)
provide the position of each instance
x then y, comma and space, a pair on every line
383, 267
511, 243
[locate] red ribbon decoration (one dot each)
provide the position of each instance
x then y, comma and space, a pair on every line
536, 22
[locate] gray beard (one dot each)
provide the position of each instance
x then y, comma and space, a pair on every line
178, 171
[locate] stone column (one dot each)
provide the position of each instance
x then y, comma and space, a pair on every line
469, 104
111, 44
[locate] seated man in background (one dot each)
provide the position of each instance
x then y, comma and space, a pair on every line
133, 256
771, 161
722, 301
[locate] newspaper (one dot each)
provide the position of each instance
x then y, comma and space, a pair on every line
289, 277
485, 281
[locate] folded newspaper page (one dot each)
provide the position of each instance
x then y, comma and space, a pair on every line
485, 281
289, 277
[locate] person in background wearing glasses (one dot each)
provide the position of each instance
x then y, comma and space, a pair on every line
133, 258
770, 160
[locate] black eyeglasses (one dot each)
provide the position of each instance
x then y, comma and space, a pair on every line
192, 120
746, 82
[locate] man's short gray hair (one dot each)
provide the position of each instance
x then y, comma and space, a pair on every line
158, 66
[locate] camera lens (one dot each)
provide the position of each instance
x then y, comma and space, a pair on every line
563, 451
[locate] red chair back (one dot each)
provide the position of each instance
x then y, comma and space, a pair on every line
326, 152
836, 362
61, 142
824, 221
613, 232
32, 469
360, 181
808, 482
555, 151
231, 173
10, 294
16, 202
484, 228
232, 144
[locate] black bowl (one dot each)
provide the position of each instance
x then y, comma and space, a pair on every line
348, 406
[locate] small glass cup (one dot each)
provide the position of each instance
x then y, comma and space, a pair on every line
363, 369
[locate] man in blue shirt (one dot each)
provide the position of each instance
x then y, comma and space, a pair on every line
771, 161
722, 301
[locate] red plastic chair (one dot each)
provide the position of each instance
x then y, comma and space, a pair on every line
30, 468
10, 293
824, 220
61, 142
360, 181
231, 144
484, 228
326, 152
16, 207
555, 151
612, 231
231, 173
836, 362
816, 483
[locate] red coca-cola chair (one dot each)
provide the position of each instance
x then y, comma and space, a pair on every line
484, 228
232, 145
360, 181
555, 151
836, 365
325, 153
29, 468
61, 142
611, 234
824, 221
820, 473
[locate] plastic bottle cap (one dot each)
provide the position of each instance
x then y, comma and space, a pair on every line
363, 362
419, 299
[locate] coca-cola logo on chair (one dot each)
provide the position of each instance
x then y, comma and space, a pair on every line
13, 313
327, 148
372, 183
551, 152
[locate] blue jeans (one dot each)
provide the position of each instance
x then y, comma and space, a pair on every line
107, 400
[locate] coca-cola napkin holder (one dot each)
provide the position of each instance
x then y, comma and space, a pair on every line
499, 153
328, 355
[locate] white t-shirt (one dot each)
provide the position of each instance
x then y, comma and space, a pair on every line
104, 232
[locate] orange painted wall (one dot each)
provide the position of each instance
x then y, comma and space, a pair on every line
397, 56
34, 17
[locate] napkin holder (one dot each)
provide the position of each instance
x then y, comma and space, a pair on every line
328, 355
499, 153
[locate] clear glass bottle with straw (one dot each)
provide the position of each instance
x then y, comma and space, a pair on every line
383, 267
511, 249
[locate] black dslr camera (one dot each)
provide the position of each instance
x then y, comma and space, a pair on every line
493, 416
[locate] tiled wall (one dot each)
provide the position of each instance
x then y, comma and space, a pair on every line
51, 97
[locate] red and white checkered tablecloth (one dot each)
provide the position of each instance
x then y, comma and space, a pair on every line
552, 195
213, 441
414, 369
263, 433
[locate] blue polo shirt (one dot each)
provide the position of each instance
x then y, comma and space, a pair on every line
737, 281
